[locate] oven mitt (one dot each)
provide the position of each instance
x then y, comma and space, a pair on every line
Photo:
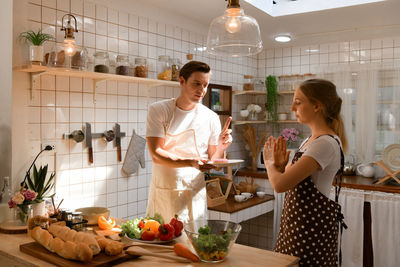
134, 154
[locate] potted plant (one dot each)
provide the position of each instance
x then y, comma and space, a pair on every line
271, 85
36, 39
31, 195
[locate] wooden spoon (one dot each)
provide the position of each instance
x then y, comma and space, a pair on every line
131, 244
138, 251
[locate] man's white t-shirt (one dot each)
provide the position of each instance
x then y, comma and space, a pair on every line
201, 119
326, 151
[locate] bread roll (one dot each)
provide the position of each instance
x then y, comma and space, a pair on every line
66, 234
68, 249
110, 247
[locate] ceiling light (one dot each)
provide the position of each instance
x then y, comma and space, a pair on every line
69, 38
234, 34
283, 38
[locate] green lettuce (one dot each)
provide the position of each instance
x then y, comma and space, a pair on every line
131, 228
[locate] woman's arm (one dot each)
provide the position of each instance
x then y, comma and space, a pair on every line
276, 157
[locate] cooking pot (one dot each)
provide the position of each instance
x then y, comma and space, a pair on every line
349, 167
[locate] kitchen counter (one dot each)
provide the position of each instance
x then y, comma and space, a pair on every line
364, 183
240, 255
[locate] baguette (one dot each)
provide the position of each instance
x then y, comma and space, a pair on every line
68, 250
67, 234
110, 247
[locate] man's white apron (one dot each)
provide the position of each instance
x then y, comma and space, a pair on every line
178, 191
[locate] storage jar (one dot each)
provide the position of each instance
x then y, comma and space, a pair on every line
122, 65
101, 62
164, 68
248, 83
141, 69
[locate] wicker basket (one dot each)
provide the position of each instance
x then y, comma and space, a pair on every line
215, 196
248, 186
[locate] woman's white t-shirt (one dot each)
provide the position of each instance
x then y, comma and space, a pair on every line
326, 151
204, 121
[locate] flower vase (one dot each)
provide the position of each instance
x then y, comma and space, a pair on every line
253, 116
21, 215
36, 54
37, 209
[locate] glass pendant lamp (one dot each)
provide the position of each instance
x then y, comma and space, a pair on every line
234, 34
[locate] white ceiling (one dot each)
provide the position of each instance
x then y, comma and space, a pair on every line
369, 21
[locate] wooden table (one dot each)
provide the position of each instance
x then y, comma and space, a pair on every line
240, 255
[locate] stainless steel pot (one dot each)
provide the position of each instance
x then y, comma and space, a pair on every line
349, 167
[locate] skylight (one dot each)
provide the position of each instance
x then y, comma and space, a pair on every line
290, 7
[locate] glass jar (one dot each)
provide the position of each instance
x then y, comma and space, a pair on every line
80, 59
101, 62
122, 65
248, 82
141, 69
175, 67
164, 68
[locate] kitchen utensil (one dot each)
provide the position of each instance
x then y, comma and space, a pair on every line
213, 251
247, 195
88, 140
76, 135
139, 251
391, 156
366, 170
349, 167
109, 135
240, 198
134, 154
118, 135
92, 214
134, 243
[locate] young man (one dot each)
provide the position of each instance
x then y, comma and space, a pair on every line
182, 135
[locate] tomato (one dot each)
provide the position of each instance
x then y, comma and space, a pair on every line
105, 224
148, 235
151, 225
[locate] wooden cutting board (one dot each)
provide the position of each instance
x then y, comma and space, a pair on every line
8, 227
36, 250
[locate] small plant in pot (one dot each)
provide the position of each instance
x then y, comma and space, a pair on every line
36, 41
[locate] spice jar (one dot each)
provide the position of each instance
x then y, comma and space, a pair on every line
141, 69
122, 65
175, 67
101, 62
77, 220
248, 83
164, 68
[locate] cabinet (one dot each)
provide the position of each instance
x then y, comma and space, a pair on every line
253, 93
219, 99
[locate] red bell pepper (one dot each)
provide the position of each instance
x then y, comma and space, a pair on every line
177, 224
166, 232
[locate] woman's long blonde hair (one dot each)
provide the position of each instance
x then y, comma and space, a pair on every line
324, 92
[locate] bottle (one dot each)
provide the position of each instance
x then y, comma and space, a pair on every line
164, 68
6, 192
248, 83
101, 62
141, 69
122, 65
175, 67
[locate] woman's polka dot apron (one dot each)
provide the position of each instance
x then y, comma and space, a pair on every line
309, 224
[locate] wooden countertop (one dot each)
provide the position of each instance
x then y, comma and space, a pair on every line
354, 182
364, 183
240, 255
231, 206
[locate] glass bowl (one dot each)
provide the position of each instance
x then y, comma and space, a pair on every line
212, 243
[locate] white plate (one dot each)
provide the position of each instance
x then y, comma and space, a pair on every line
156, 241
229, 163
391, 156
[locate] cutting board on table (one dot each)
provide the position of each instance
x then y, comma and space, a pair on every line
101, 260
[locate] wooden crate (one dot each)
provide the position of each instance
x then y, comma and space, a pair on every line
215, 196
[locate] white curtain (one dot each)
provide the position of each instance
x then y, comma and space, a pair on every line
278, 207
385, 227
352, 202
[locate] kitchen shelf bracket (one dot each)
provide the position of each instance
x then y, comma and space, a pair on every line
35, 76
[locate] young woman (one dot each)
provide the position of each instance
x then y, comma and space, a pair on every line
309, 223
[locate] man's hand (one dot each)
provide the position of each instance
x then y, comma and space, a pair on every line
225, 137
201, 164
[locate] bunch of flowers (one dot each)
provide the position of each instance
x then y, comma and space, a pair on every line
291, 135
21, 200
254, 108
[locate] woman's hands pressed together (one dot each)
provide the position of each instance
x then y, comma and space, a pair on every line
275, 152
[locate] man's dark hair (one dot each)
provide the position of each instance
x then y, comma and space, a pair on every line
193, 66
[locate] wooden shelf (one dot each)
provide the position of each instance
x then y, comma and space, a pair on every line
96, 76
249, 93
296, 75
227, 112
231, 206
285, 92
287, 121
247, 122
